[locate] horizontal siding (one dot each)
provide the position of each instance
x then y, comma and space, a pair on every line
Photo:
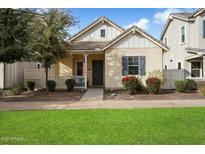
134, 41
94, 33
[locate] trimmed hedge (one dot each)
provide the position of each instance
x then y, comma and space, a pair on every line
51, 85
70, 83
185, 85
30, 85
181, 85
191, 85
153, 85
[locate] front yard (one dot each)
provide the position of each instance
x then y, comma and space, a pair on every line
142, 95
126, 126
42, 95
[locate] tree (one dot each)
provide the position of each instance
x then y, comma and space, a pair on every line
48, 39
14, 35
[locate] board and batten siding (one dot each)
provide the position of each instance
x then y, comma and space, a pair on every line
93, 34
126, 47
134, 41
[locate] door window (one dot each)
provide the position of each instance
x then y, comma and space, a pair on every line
79, 68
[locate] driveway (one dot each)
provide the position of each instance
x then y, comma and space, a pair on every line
4, 106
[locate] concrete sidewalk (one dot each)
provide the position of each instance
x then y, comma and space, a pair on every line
93, 94
4, 106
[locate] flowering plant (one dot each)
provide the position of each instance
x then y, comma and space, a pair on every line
131, 84
153, 85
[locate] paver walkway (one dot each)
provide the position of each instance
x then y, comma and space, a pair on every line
4, 106
93, 94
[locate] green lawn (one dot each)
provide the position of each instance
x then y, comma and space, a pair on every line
126, 126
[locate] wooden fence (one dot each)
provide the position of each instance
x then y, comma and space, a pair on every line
171, 76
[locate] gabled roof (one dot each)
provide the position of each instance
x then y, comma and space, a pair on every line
184, 16
101, 19
140, 31
197, 12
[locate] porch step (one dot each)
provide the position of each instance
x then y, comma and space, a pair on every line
93, 94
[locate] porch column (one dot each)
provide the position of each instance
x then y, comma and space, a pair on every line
85, 69
203, 67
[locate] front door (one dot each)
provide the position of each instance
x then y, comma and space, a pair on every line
97, 72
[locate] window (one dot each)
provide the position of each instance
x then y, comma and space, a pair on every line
79, 68
133, 65
196, 69
182, 34
179, 65
102, 33
165, 67
203, 28
165, 41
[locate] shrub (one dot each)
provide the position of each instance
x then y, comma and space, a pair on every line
202, 90
191, 85
30, 85
181, 85
153, 85
16, 90
51, 85
157, 74
131, 84
70, 83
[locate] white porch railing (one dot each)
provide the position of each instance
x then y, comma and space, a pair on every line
38, 75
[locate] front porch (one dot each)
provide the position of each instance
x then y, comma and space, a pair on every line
196, 67
80, 66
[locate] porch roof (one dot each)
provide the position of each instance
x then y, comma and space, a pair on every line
195, 50
88, 45
194, 57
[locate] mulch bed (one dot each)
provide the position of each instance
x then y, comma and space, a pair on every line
163, 95
41, 95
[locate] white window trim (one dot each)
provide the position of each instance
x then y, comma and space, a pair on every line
181, 43
101, 33
201, 70
134, 65
76, 65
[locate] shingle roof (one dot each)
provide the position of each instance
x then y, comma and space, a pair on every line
184, 15
195, 49
87, 45
140, 30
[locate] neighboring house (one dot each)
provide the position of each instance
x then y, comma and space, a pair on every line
103, 53
184, 34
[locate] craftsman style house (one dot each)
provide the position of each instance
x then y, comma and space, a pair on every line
103, 52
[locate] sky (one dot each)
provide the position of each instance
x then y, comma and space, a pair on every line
152, 20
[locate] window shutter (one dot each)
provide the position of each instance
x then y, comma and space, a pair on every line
124, 66
203, 28
142, 65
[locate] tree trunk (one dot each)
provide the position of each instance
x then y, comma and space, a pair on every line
46, 71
